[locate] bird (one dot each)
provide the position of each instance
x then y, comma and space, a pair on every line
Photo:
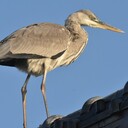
41, 47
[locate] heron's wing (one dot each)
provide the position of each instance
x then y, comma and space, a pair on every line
44, 40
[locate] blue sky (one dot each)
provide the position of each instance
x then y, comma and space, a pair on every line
100, 70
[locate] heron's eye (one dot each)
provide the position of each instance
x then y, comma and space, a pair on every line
93, 18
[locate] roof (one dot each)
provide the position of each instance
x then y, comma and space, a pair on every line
97, 112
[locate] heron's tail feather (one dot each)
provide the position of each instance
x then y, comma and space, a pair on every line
7, 62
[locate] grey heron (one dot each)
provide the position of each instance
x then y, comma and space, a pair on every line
42, 47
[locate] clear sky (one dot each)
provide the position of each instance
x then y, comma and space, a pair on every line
99, 71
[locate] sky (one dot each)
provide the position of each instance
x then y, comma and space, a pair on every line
100, 70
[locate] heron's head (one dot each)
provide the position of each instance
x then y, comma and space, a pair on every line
87, 18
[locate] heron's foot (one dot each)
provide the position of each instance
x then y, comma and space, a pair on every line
50, 121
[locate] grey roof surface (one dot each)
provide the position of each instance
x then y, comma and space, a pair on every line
97, 112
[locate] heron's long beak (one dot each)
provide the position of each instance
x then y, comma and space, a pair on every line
106, 26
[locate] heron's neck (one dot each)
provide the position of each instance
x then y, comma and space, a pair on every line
76, 30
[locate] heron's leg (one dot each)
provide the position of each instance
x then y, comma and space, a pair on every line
43, 90
24, 91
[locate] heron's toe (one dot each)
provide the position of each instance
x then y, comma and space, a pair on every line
50, 121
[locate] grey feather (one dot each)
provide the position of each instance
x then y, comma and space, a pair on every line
44, 40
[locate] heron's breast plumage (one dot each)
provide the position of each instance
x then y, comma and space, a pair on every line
36, 67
